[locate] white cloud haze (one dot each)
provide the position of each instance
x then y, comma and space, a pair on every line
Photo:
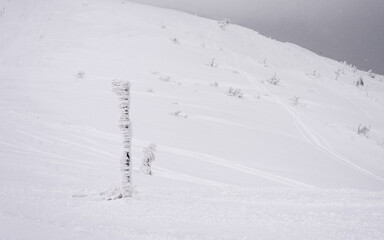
351, 30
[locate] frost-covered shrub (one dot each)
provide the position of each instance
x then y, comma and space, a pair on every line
294, 101
380, 143
2, 11
359, 82
179, 114
80, 74
371, 74
314, 74
264, 62
224, 23
165, 79
235, 92
215, 84
274, 80
213, 63
148, 158
338, 73
175, 41
363, 130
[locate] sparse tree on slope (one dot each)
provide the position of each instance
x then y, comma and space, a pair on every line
122, 90
359, 82
224, 23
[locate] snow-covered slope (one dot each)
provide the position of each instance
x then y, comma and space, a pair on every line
284, 161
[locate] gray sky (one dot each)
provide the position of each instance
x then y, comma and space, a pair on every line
351, 30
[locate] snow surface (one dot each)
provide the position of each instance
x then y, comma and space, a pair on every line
282, 161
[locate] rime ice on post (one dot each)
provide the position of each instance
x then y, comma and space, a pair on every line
122, 90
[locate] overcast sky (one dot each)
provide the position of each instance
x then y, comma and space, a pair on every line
351, 30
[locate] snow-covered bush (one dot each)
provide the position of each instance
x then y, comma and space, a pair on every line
380, 143
294, 101
359, 82
264, 62
215, 84
179, 114
122, 90
338, 73
314, 74
235, 92
165, 79
148, 158
175, 41
371, 74
213, 63
224, 23
363, 130
2, 11
80, 74
274, 80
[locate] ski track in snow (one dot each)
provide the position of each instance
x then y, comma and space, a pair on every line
361, 108
232, 165
324, 147
310, 135
163, 172
166, 173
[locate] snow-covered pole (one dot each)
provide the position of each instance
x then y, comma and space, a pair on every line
122, 90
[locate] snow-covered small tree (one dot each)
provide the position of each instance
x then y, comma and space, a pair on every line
274, 80
265, 62
371, 74
363, 130
215, 84
235, 92
294, 101
338, 73
213, 63
224, 23
2, 11
175, 41
179, 114
149, 157
359, 82
80, 74
314, 74
165, 78
122, 90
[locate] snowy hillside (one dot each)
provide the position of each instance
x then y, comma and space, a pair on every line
257, 139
